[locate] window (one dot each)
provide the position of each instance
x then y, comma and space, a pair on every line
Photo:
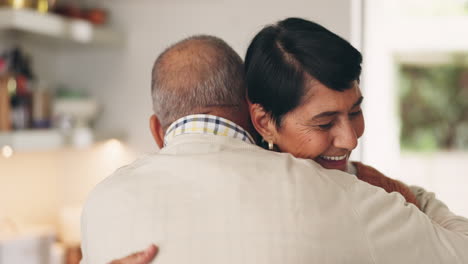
434, 107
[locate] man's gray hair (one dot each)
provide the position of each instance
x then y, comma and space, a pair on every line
196, 73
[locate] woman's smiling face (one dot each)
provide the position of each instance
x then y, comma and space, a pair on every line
325, 127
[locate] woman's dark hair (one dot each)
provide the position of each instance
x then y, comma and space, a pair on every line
283, 57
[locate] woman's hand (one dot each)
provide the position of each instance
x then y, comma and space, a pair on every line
142, 257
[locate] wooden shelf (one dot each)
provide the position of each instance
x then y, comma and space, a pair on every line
32, 140
27, 24
54, 26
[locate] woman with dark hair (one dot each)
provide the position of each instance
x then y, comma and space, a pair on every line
304, 97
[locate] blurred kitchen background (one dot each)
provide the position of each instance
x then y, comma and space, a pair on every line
75, 96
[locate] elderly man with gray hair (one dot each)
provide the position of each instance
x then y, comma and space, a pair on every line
210, 195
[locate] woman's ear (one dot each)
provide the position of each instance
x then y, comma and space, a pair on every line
157, 131
262, 122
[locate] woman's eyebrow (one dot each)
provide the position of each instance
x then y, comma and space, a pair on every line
333, 113
358, 102
324, 114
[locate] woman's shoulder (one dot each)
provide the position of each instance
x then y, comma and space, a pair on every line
373, 176
360, 169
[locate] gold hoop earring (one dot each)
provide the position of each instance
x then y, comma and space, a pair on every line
270, 145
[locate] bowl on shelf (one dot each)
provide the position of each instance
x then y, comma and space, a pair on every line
81, 110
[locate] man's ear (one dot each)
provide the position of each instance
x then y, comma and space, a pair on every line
157, 131
262, 122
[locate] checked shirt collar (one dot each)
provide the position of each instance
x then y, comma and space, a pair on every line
206, 124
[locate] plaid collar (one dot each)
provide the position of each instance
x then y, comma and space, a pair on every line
206, 124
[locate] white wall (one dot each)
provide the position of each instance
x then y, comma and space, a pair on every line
381, 147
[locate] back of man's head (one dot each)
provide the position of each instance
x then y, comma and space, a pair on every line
194, 76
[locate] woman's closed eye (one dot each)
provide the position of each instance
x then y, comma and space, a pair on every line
355, 113
326, 126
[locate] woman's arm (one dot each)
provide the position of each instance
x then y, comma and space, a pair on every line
438, 211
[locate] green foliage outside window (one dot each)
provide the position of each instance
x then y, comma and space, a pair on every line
434, 107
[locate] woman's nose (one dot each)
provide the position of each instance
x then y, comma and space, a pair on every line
345, 137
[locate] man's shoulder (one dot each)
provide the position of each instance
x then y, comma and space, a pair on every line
235, 163
247, 160
119, 182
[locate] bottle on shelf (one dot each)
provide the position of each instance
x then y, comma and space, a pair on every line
5, 115
20, 89
21, 104
41, 106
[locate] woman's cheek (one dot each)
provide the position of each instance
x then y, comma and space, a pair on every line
359, 126
320, 146
305, 146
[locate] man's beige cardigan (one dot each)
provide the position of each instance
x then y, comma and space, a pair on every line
214, 200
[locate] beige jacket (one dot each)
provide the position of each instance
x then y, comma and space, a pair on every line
215, 200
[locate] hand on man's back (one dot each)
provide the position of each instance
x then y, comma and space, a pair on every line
142, 257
